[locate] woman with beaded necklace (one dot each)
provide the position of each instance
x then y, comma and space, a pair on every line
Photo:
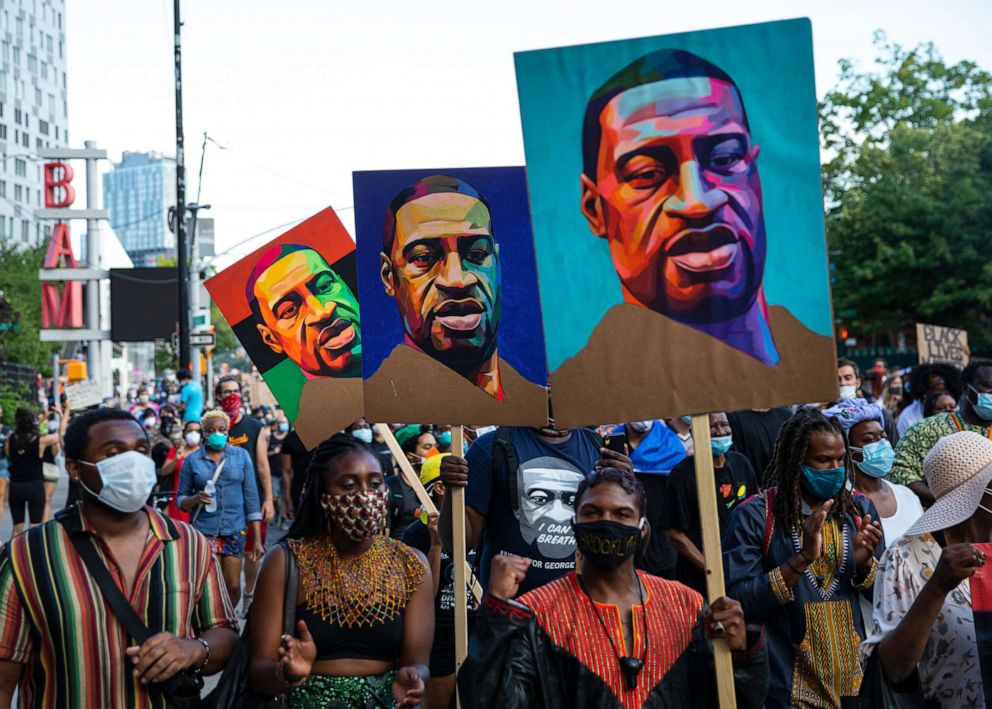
365, 607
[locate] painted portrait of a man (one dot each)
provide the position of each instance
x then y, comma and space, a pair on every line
440, 263
675, 191
447, 275
670, 178
306, 311
292, 305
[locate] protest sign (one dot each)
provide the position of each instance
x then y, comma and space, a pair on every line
677, 213
942, 344
83, 395
446, 275
292, 304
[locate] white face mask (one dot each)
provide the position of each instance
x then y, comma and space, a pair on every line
193, 438
483, 430
128, 480
848, 391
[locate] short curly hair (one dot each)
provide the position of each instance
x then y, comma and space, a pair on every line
214, 414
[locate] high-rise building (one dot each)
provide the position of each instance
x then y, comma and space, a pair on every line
33, 108
138, 192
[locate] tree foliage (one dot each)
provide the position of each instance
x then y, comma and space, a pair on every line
21, 293
907, 179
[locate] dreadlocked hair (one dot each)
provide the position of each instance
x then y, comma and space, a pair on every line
309, 519
785, 468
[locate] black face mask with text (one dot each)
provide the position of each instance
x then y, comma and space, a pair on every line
605, 543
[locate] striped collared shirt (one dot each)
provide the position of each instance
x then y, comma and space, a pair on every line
54, 620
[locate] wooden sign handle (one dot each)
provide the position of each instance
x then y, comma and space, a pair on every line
460, 558
712, 553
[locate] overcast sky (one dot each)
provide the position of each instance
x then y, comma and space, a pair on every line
302, 92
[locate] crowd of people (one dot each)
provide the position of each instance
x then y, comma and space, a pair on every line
848, 537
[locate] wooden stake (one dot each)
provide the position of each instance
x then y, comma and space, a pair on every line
410, 478
710, 519
460, 560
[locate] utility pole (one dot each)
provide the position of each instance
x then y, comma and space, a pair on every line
182, 266
194, 276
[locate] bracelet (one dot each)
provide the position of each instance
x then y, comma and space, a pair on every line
206, 659
783, 594
281, 676
869, 579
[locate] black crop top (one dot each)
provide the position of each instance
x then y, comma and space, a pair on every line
381, 641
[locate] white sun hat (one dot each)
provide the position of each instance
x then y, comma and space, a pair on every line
957, 469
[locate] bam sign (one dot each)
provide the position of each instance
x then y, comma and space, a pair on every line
61, 305
69, 289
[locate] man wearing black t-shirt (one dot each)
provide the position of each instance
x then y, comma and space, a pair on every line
755, 431
295, 461
735, 481
524, 509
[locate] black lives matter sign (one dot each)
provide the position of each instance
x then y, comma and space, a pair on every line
942, 344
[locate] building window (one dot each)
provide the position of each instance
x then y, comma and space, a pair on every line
20, 167
3, 132
25, 140
44, 70
3, 188
37, 96
17, 116
43, 127
25, 231
18, 193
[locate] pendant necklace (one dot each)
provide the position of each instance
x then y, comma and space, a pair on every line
631, 666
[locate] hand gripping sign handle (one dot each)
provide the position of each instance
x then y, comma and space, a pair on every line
705, 492
460, 558
410, 478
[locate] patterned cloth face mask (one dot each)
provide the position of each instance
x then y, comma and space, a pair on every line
358, 514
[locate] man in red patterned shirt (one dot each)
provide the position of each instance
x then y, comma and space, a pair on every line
609, 636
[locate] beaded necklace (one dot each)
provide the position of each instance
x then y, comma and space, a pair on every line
365, 590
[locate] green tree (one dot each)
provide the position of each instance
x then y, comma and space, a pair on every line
907, 176
21, 292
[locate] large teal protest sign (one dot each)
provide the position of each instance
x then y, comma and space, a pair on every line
678, 222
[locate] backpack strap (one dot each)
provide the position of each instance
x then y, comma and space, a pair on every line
292, 589
769, 521
112, 594
504, 455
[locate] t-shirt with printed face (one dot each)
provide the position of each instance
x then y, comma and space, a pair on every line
538, 524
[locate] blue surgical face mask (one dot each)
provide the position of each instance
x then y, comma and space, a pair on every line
982, 404
444, 438
878, 458
283, 427
721, 444
823, 484
363, 434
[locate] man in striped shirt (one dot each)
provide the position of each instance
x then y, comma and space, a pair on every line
60, 643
